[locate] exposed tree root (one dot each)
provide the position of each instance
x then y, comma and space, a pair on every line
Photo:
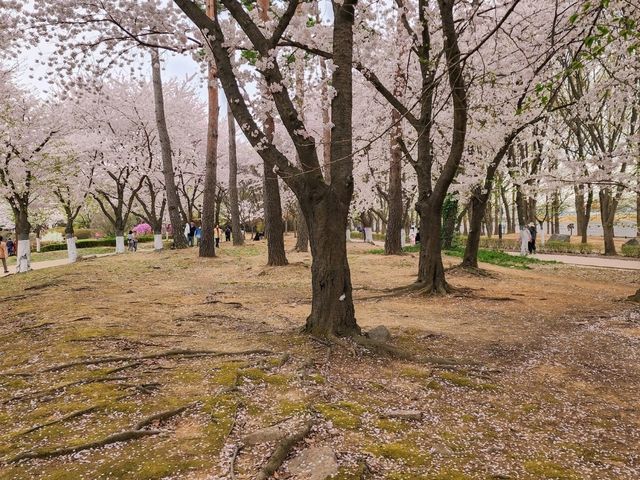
36, 327
473, 271
282, 450
69, 416
123, 367
381, 347
41, 286
57, 388
153, 356
58, 452
635, 297
236, 451
133, 434
160, 417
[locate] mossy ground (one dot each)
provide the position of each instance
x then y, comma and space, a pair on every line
529, 374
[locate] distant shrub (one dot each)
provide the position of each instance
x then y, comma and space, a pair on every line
83, 233
631, 250
90, 243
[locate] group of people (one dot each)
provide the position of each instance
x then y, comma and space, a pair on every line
528, 235
7, 249
132, 240
194, 233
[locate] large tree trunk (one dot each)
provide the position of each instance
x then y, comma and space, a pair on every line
207, 247
234, 207
608, 206
302, 232
430, 267
476, 214
392, 242
332, 310
274, 227
173, 201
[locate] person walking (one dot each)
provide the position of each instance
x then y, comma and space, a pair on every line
227, 233
131, 240
533, 233
4, 254
525, 238
11, 247
216, 233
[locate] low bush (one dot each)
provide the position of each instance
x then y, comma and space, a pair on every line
90, 243
631, 251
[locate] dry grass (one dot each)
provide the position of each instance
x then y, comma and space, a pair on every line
531, 374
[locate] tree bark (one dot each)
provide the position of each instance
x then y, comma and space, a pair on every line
207, 246
608, 207
173, 201
332, 310
392, 242
234, 207
274, 227
302, 232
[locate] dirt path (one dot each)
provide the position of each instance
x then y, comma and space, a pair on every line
164, 363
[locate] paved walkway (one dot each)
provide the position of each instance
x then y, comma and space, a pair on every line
50, 263
589, 261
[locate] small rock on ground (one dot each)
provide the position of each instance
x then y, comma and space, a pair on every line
379, 334
315, 463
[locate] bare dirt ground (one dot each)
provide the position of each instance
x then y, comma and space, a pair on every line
164, 363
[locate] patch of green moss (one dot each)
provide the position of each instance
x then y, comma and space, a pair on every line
342, 414
222, 410
289, 407
551, 470
317, 379
350, 473
227, 373
464, 381
412, 372
404, 451
391, 425
434, 385
257, 375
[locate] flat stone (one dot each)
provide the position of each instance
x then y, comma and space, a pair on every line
404, 414
442, 450
634, 242
315, 463
379, 334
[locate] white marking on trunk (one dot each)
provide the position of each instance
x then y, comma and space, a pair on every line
342, 297
157, 241
120, 244
368, 235
72, 252
38, 244
348, 234
23, 263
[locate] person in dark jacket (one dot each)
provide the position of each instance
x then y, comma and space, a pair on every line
532, 242
227, 233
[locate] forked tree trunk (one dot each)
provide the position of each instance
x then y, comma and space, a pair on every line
207, 245
431, 275
234, 207
332, 310
173, 201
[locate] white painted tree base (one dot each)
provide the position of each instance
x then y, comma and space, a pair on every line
38, 245
403, 239
72, 252
23, 263
119, 244
368, 235
348, 234
157, 241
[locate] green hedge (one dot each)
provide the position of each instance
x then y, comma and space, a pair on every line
91, 243
631, 251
